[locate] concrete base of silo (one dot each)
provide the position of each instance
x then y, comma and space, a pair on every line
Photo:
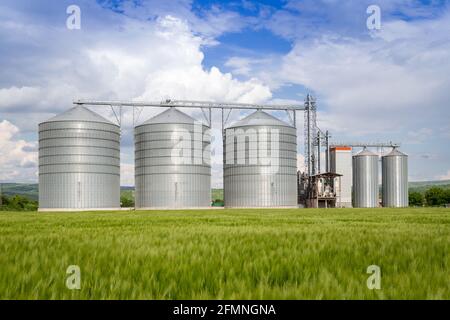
282, 207
171, 208
80, 209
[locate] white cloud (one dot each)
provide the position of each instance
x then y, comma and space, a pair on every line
198, 84
445, 176
209, 22
14, 97
18, 158
377, 84
246, 66
136, 60
309, 18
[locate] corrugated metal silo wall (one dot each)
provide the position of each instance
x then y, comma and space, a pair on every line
365, 181
395, 181
250, 185
163, 181
79, 165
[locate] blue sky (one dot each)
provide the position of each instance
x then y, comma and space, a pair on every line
371, 85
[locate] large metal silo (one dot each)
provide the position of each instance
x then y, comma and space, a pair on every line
172, 156
79, 162
365, 179
260, 163
394, 176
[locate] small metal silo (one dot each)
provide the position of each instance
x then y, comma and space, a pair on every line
260, 163
394, 179
365, 179
172, 157
79, 162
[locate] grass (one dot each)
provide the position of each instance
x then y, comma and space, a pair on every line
227, 254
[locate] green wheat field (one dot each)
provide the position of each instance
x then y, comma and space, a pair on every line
227, 254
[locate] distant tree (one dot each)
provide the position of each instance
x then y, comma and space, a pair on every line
217, 203
126, 202
4, 200
415, 199
18, 203
447, 196
435, 197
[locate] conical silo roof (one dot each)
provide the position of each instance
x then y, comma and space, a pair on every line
364, 153
79, 113
171, 115
395, 153
259, 118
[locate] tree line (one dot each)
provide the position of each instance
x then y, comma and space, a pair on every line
433, 197
17, 203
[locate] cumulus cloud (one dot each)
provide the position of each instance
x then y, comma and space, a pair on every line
209, 21
367, 82
363, 83
18, 158
17, 98
130, 59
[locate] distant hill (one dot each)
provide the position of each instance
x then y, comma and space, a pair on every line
216, 194
31, 190
423, 186
27, 190
429, 183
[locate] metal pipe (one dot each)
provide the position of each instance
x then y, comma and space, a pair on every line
318, 151
369, 145
308, 151
327, 152
189, 104
295, 118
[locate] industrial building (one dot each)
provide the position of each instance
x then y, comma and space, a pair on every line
324, 190
79, 160
341, 163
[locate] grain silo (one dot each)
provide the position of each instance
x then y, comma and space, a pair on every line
394, 176
260, 163
365, 179
79, 162
172, 156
